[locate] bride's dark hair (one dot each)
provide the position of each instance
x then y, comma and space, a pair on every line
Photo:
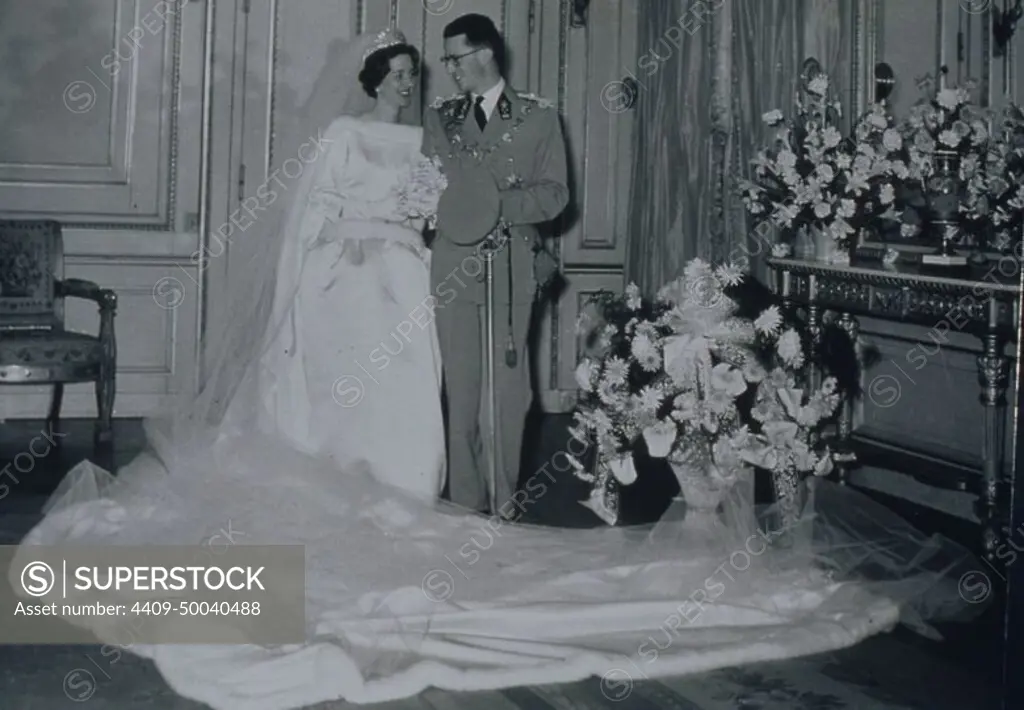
378, 65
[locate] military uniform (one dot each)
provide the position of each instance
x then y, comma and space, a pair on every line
522, 146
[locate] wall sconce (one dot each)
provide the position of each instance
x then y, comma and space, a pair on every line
885, 82
1004, 24
579, 13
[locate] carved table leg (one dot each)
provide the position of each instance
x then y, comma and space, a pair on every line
851, 327
992, 375
814, 328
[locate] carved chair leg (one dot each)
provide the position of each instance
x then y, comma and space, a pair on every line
105, 389
55, 404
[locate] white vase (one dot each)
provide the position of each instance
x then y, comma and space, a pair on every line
825, 247
701, 493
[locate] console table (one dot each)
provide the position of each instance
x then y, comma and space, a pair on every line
984, 303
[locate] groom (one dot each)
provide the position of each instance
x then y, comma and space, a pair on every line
517, 139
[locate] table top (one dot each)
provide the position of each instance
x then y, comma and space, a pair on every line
1002, 276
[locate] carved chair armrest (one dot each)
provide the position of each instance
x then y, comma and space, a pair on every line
107, 302
80, 288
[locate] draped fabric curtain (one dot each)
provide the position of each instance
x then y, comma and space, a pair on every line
672, 181
768, 55
699, 124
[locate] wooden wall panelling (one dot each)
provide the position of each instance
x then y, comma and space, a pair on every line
101, 110
92, 145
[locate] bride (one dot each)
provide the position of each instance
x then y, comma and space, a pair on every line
355, 365
404, 592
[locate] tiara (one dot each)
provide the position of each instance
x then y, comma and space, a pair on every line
384, 39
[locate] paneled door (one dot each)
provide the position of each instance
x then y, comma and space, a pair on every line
580, 53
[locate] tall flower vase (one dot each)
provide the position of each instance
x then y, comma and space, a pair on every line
701, 495
790, 499
942, 192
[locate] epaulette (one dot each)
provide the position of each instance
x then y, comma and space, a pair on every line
539, 100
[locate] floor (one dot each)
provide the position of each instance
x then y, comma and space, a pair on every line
897, 670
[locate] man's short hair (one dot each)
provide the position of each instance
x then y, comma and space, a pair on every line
480, 32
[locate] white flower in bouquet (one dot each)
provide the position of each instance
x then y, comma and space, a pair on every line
587, 373
649, 399
818, 85
729, 275
633, 300
610, 393
892, 140
608, 334
684, 355
660, 438
790, 349
727, 379
646, 353
824, 465
623, 469
753, 371
616, 371
769, 321
949, 99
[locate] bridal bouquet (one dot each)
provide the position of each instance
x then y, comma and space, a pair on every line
419, 189
813, 177
697, 384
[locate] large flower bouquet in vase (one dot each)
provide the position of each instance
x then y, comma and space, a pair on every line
679, 375
784, 431
794, 185
947, 138
876, 165
819, 187
992, 208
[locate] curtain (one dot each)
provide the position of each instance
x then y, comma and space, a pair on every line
698, 122
672, 191
768, 54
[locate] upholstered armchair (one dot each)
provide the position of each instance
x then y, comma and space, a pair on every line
35, 347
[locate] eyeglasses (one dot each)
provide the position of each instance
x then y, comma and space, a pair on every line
450, 59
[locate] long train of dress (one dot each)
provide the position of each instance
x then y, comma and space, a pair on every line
402, 596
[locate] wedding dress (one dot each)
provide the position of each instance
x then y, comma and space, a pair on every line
355, 373
403, 594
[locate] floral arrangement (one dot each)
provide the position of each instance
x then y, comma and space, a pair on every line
993, 203
812, 176
942, 124
946, 120
697, 384
419, 189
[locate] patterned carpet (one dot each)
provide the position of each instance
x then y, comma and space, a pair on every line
894, 671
